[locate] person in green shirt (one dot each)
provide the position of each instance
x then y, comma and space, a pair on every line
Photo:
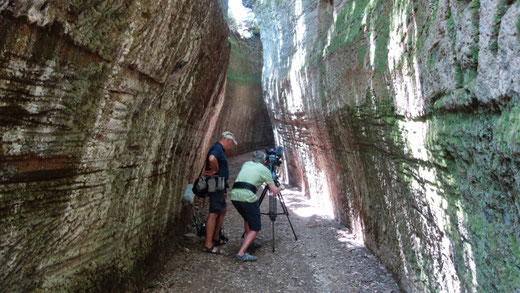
244, 199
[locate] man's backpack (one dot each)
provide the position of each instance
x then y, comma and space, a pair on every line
200, 186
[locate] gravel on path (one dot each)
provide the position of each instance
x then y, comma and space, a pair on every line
325, 258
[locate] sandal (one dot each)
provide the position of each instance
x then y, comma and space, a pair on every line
210, 250
219, 242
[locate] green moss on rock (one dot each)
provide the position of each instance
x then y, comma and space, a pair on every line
481, 147
501, 10
242, 68
518, 28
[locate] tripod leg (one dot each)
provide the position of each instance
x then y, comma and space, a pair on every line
273, 233
286, 212
272, 212
263, 195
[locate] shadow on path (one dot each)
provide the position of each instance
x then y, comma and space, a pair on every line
326, 257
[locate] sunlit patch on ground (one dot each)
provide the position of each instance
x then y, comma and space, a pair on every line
325, 258
303, 207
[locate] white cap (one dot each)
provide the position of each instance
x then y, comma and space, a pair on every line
228, 134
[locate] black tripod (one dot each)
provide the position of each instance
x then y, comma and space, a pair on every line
273, 207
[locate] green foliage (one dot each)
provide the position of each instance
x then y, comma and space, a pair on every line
246, 28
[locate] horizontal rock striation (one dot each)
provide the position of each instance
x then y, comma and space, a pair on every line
407, 114
105, 109
244, 112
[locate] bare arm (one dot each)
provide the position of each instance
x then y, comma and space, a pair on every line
274, 189
213, 164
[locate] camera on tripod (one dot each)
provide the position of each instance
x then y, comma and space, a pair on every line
274, 157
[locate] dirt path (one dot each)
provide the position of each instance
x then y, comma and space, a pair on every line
326, 258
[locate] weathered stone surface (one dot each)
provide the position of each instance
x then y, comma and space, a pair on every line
105, 108
244, 112
408, 114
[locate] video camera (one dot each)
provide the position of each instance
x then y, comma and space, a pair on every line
274, 157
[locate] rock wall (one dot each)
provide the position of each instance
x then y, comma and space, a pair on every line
105, 108
407, 114
244, 112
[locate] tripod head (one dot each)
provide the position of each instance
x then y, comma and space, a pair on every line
274, 157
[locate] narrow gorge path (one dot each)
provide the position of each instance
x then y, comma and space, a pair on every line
325, 258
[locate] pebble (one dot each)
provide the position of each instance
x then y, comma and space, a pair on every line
317, 262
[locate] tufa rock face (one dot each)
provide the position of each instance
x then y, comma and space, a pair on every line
407, 113
105, 109
244, 112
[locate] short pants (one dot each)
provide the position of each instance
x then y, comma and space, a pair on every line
250, 211
217, 202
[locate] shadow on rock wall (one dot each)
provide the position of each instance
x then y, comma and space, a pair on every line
405, 115
105, 109
244, 112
